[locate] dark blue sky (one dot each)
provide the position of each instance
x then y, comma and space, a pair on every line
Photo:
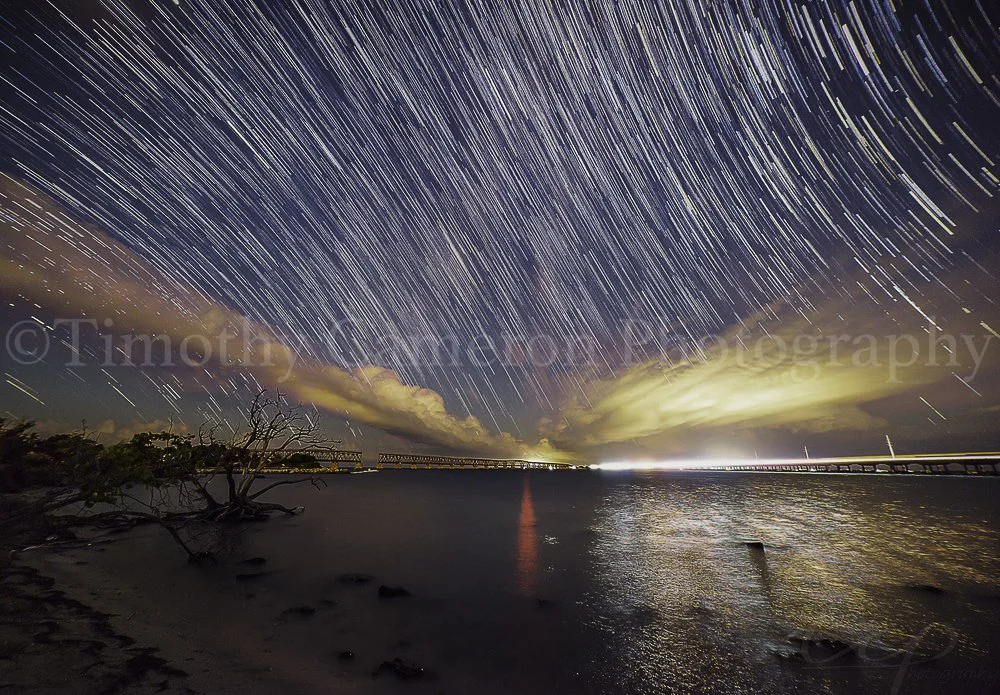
629, 177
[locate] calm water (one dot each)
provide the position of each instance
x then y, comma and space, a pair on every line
647, 583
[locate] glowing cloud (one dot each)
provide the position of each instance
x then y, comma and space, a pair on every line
73, 268
785, 373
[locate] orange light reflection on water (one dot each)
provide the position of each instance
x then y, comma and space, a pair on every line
527, 545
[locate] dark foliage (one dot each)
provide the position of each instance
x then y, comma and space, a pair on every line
159, 477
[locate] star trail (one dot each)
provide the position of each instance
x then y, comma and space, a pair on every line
359, 177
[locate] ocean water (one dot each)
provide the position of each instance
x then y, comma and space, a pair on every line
587, 582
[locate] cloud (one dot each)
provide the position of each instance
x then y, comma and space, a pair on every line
110, 431
76, 270
779, 370
773, 371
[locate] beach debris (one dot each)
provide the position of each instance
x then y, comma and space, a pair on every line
355, 578
298, 611
61, 534
391, 591
402, 669
202, 558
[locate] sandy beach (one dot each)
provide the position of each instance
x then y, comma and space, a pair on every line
53, 638
72, 626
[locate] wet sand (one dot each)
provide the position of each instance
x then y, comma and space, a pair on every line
83, 618
52, 642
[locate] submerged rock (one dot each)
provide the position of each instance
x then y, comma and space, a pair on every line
927, 589
345, 654
404, 670
822, 649
255, 561
391, 591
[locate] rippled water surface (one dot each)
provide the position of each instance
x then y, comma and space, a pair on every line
554, 582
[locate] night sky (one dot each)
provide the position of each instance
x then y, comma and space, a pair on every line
538, 229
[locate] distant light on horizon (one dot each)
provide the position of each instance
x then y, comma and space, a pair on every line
682, 464
723, 463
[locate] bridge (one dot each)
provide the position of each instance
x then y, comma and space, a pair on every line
986, 463
331, 459
424, 461
916, 464
344, 460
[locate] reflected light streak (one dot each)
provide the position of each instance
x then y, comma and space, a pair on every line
527, 544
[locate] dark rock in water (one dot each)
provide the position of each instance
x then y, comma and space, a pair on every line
545, 602
328, 602
345, 654
822, 649
255, 561
644, 615
404, 670
391, 591
927, 589
754, 545
354, 578
789, 653
250, 575
299, 611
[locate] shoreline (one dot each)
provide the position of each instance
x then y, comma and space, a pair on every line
73, 623
501, 582
52, 641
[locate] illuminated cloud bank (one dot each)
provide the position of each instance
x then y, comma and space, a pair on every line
779, 370
75, 269
776, 370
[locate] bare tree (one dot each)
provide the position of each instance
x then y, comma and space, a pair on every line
272, 429
162, 477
